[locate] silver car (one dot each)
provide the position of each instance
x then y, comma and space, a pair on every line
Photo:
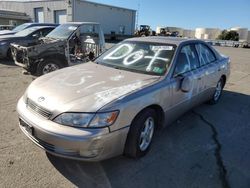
114, 105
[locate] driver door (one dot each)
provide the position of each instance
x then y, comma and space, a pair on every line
187, 66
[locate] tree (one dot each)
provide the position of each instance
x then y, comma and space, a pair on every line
229, 35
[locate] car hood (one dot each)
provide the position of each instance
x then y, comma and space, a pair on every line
85, 88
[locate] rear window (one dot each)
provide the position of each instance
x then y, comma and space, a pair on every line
205, 54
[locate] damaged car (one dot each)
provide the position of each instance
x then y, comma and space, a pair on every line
25, 37
69, 44
114, 104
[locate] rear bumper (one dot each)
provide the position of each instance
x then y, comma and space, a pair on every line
73, 143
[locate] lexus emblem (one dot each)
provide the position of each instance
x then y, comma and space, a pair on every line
41, 99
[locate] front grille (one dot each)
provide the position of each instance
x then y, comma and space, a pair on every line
38, 109
19, 56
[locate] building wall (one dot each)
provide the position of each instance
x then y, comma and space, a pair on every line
28, 7
207, 33
188, 33
6, 21
248, 38
12, 18
110, 18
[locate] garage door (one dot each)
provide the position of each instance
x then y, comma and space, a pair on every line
60, 16
39, 15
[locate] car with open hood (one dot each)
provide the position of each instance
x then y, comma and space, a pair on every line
114, 104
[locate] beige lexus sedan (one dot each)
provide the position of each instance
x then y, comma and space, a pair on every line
114, 105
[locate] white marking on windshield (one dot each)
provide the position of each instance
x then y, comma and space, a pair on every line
129, 50
124, 51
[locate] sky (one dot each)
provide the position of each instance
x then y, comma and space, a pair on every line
189, 14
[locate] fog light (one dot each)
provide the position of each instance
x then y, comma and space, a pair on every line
94, 149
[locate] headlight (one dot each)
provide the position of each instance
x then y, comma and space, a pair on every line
104, 119
74, 119
87, 119
2, 43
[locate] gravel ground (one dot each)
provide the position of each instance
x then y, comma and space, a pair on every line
207, 147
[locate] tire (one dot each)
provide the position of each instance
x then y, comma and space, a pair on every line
218, 92
138, 145
47, 66
9, 55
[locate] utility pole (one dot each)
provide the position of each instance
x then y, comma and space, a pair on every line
137, 15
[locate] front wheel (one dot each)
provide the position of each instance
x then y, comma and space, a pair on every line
48, 66
141, 134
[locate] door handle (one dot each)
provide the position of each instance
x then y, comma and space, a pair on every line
219, 69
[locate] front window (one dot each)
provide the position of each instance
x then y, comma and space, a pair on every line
146, 58
63, 31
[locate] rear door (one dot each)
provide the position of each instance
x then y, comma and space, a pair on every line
187, 65
210, 68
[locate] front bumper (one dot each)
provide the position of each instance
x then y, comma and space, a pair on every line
69, 142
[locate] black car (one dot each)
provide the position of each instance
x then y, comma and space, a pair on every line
24, 37
24, 26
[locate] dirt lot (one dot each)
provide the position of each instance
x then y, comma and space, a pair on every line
207, 147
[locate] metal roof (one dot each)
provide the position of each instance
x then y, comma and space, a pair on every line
10, 14
91, 2
158, 39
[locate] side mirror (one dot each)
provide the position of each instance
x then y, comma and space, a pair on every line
186, 84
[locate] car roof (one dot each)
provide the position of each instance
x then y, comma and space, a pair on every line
164, 40
41, 24
80, 23
41, 27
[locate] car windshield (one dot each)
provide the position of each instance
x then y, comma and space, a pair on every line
62, 31
26, 32
146, 58
20, 27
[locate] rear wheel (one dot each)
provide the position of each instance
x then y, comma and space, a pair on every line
141, 134
218, 91
48, 66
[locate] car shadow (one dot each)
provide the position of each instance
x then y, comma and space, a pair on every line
182, 155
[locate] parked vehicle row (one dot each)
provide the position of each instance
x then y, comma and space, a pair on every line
41, 49
69, 44
24, 26
113, 104
24, 37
